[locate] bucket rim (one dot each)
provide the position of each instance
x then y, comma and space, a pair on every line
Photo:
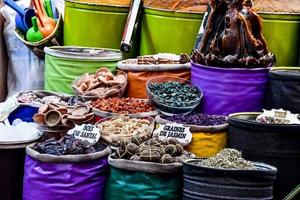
263, 167
97, 4
56, 52
275, 73
172, 13
233, 69
272, 15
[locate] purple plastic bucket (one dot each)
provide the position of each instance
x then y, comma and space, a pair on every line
230, 90
68, 181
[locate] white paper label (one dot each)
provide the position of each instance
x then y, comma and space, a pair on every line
174, 130
86, 132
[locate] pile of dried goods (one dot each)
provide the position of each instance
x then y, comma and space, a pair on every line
227, 159
122, 105
152, 150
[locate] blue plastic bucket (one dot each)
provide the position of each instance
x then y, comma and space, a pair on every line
25, 113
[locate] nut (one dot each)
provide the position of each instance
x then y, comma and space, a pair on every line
167, 158
135, 158
170, 149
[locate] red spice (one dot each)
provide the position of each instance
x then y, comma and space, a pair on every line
122, 105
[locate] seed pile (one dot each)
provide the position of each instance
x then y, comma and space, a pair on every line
117, 129
174, 93
122, 105
227, 159
152, 150
198, 119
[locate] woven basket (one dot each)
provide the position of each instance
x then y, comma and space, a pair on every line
55, 39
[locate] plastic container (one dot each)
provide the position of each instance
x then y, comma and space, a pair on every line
165, 108
168, 31
282, 34
214, 183
94, 25
284, 91
229, 90
277, 145
65, 177
64, 64
143, 180
138, 75
24, 112
206, 141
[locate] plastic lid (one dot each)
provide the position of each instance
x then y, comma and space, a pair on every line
84, 53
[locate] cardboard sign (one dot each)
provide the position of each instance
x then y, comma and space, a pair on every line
174, 130
86, 132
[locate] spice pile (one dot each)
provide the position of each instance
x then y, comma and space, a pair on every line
108, 2
174, 93
122, 106
164, 58
227, 159
44, 98
117, 129
66, 145
233, 38
60, 117
102, 84
152, 150
181, 5
198, 119
282, 6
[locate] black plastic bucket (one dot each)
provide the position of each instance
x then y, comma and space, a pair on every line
284, 89
11, 171
277, 145
214, 183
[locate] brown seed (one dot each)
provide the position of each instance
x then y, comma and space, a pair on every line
172, 141
179, 149
132, 149
150, 155
153, 142
170, 149
135, 158
136, 140
167, 158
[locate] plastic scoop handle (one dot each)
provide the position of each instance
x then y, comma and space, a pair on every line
14, 6
48, 8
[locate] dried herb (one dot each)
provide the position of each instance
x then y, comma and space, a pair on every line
227, 159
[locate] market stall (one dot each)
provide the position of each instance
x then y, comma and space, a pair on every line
153, 99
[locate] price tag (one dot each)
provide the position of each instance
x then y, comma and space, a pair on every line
174, 130
86, 132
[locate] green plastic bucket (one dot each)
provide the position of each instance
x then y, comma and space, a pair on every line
168, 31
94, 25
64, 64
282, 32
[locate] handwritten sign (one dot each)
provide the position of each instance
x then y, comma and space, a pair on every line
86, 132
174, 130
